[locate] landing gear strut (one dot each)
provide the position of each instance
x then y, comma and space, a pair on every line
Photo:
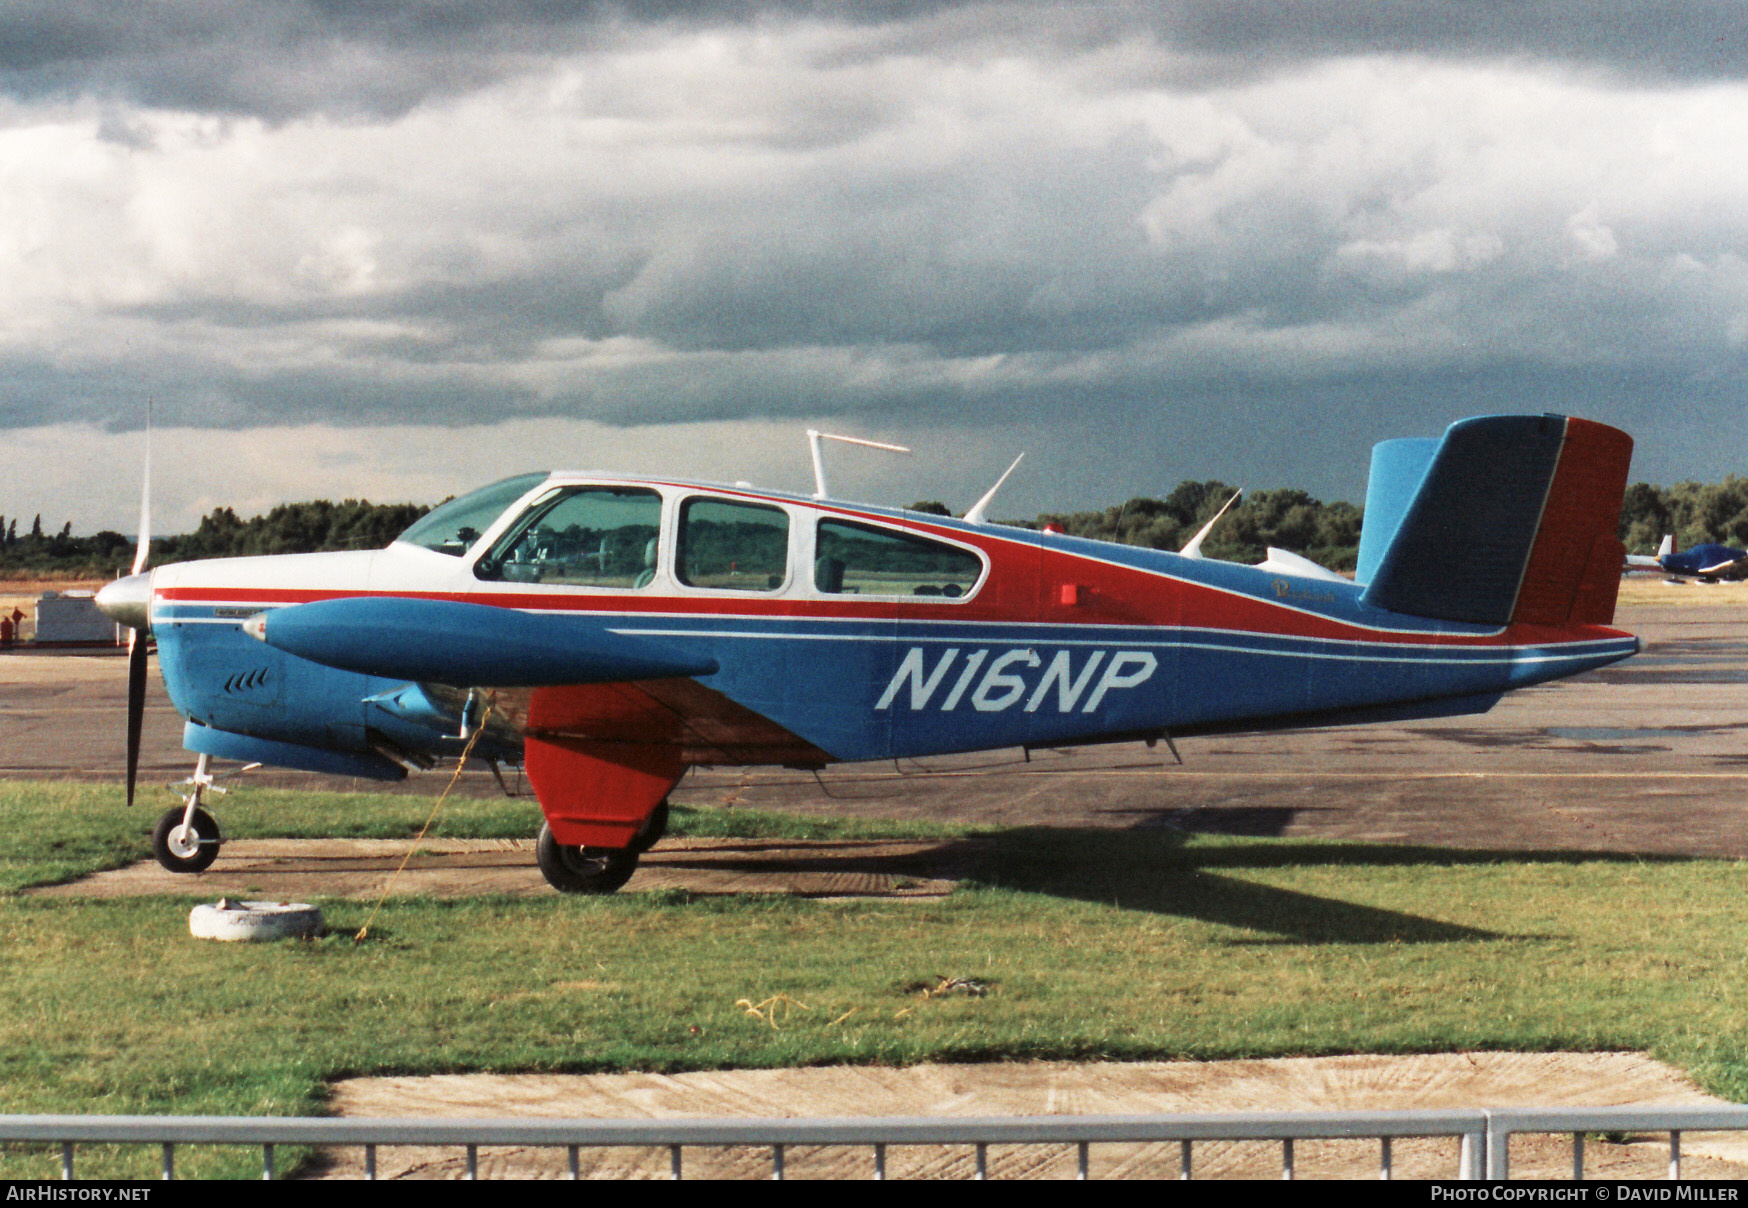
583, 869
187, 838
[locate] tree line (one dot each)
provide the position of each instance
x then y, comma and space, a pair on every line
1692, 512
1324, 532
290, 528
1328, 533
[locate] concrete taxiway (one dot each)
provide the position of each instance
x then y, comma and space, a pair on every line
1650, 755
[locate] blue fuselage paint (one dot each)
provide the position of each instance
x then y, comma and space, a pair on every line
882, 686
1698, 558
219, 677
935, 690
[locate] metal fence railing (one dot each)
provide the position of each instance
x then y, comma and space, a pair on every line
1484, 1135
874, 1133
1505, 1123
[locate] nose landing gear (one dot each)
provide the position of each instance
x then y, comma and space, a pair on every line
186, 841
187, 838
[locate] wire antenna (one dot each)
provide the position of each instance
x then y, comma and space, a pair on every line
814, 436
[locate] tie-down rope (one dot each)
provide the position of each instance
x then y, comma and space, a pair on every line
480, 728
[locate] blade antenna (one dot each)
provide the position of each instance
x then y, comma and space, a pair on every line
814, 436
1194, 548
975, 515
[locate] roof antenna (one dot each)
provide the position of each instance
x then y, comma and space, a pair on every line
814, 436
1194, 548
975, 515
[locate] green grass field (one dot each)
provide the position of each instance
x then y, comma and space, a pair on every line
1099, 945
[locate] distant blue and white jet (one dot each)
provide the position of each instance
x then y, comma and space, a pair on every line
1708, 562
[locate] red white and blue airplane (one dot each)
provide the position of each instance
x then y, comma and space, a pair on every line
607, 633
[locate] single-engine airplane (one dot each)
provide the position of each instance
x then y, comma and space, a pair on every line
1708, 562
607, 632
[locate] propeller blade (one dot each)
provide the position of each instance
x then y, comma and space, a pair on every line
136, 705
145, 500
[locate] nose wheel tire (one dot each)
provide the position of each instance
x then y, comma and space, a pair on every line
571, 869
186, 849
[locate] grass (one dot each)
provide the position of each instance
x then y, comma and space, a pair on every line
1098, 945
1651, 590
52, 832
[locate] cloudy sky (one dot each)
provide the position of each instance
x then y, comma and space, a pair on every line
391, 251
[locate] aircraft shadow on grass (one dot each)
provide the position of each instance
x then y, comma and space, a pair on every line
1165, 873
1162, 872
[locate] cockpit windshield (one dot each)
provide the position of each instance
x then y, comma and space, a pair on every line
452, 527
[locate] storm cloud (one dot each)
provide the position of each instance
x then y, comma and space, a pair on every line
280, 59
1224, 241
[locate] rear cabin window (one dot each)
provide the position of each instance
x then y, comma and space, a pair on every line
864, 560
733, 546
581, 537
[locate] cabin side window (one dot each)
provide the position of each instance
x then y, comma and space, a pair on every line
861, 559
729, 545
581, 537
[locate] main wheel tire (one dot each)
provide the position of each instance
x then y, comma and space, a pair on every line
571, 869
652, 830
180, 852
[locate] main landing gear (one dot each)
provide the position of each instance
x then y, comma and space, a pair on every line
187, 838
583, 869
570, 869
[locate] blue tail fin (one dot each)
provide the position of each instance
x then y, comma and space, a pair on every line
1398, 468
1513, 519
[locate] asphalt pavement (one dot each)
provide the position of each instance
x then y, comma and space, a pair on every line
1648, 756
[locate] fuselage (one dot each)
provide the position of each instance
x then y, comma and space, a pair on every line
842, 632
1708, 558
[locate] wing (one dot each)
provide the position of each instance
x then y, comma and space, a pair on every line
1725, 567
702, 725
466, 645
608, 721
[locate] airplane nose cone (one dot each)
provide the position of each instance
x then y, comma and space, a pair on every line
129, 601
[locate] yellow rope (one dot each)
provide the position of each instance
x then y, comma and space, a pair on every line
419, 838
